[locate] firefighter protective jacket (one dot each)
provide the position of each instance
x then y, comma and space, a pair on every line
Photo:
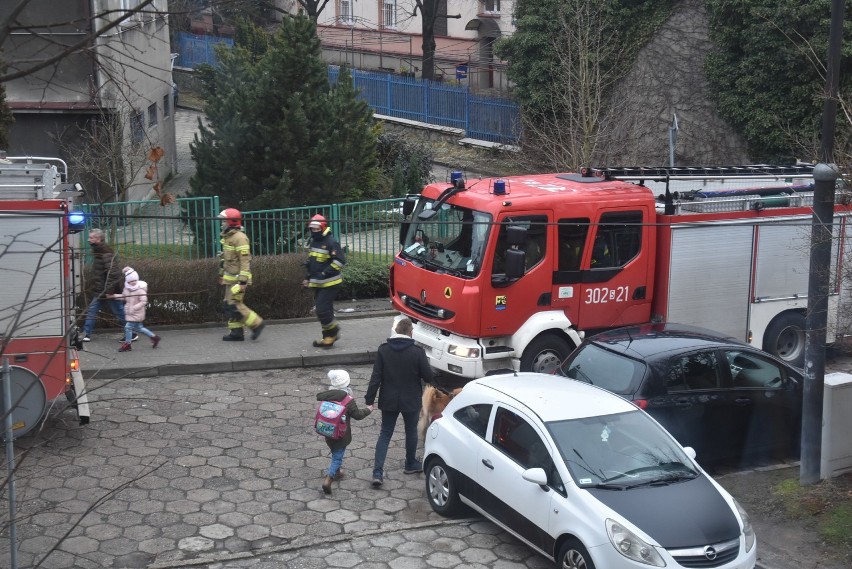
235, 265
325, 260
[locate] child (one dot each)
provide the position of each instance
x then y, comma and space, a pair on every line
135, 296
339, 381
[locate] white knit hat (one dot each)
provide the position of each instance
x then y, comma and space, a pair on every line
338, 378
130, 274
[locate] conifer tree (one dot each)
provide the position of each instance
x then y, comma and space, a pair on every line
279, 135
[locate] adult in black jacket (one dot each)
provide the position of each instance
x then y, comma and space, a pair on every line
398, 375
107, 278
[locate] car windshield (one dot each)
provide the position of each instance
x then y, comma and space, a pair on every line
620, 451
452, 241
611, 371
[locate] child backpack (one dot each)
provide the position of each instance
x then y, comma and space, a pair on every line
331, 420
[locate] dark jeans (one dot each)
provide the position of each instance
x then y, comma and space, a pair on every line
388, 424
116, 306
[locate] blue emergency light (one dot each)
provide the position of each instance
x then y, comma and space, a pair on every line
76, 221
500, 187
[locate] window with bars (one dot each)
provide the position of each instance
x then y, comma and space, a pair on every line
346, 10
137, 127
389, 13
152, 115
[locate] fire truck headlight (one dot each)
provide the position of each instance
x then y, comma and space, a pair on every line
463, 351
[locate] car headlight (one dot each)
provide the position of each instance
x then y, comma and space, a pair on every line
629, 545
463, 351
748, 530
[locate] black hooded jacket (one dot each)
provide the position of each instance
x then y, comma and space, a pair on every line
398, 375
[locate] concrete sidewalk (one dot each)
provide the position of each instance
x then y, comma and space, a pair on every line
283, 344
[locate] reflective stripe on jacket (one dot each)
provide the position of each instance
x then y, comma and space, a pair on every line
325, 261
236, 257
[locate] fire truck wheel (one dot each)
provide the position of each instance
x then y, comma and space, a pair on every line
544, 354
31, 397
785, 338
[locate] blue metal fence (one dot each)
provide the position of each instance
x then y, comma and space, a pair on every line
194, 50
483, 118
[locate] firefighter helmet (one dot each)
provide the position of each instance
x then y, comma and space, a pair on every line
318, 222
231, 217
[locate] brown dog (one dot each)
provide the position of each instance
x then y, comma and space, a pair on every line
434, 401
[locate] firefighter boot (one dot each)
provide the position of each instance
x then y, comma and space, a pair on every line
236, 335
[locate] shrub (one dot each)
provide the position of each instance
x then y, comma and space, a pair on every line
188, 292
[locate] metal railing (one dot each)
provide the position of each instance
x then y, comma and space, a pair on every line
189, 228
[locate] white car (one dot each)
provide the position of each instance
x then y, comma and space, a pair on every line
582, 476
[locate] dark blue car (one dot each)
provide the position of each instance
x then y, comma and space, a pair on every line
726, 399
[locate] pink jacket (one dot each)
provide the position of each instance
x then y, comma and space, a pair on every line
134, 302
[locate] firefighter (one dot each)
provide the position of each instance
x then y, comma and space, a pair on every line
235, 274
325, 260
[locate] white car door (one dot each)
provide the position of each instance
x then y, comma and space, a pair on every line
514, 445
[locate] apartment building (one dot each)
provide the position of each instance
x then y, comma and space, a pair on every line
387, 35
95, 89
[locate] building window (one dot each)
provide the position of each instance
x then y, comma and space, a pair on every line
346, 11
152, 115
137, 127
167, 108
389, 13
491, 6
129, 5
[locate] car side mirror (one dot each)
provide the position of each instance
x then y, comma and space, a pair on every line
690, 452
536, 476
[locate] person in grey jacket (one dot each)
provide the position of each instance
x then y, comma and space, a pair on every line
399, 372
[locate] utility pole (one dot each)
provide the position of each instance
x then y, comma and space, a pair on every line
825, 176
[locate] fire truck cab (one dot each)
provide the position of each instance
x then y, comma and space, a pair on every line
513, 273
38, 344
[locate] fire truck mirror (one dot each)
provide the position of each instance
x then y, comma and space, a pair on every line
515, 262
515, 235
408, 205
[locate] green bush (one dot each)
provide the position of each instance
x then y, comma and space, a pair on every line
188, 291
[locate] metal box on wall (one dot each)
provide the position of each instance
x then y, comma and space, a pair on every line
836, 455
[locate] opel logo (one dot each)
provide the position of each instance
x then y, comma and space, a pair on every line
710, 552
423, 296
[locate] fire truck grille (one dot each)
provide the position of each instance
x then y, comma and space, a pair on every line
429, 310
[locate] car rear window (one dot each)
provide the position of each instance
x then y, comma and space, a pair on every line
605, 369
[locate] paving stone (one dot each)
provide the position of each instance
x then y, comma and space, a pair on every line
216, 531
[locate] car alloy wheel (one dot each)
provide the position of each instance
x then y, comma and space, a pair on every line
440, 488
572, 555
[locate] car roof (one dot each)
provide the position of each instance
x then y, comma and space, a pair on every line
649, 340
551, 397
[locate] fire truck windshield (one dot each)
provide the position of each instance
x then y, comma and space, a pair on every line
452, 240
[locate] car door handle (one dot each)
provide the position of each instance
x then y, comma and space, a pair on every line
487, 463
742, 401
683, 403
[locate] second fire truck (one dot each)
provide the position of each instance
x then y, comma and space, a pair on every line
37, 300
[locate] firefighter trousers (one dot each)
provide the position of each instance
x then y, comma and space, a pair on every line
239, 315
324, 305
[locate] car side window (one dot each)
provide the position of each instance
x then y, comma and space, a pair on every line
693, 372
752, 370
520, 441
475, 418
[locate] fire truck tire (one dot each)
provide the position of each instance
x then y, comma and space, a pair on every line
28, 390
785, 338
545, 353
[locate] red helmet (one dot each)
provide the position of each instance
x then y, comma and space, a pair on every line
318, 222
232, 217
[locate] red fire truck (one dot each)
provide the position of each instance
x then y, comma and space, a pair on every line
512, 273
37, 249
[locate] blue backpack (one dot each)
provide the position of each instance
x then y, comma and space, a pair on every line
331, 420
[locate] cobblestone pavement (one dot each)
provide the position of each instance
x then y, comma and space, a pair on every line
224, 470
